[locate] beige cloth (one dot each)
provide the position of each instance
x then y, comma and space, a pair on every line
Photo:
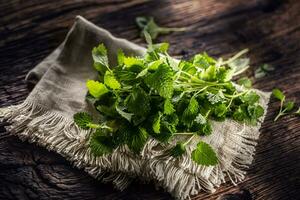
46, 118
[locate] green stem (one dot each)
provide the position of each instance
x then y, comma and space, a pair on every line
236, 56
280, 113
189, 140
184, 133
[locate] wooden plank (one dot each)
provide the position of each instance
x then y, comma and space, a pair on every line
29, 30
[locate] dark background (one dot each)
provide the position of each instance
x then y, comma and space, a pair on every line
30, 30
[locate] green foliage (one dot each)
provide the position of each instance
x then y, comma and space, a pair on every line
263, 70
100, 58
111, 81
148, 25
278, 94
101, 144
246, 82
96, 89
161, 80
168, 107
178, 150
285, 106
156, 96
83, 120
204, 155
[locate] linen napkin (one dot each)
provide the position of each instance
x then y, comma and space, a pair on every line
46, 118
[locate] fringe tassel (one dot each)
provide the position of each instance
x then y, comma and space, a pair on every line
31, 122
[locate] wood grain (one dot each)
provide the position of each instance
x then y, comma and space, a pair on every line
30, 30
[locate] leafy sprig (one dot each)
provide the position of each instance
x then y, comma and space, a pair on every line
159, 97
285, 106
147, 24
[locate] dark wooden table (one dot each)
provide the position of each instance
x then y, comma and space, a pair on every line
31, 29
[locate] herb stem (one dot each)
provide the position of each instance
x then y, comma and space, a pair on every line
189, 140
185, 133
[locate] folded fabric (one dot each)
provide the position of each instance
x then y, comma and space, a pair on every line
46, 118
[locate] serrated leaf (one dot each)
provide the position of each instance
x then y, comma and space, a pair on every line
203, 60
82, 120
126, 115
120, 57
132, 61
190, 112
200, 119
156, 123
111, 81
96, 89
137, 139
101, 143
162, 81
100, 58
177, 150
245, 81
204, 155
209, 74
215, 98
168, 107
250, 98
138, 102
278, 94
220, 110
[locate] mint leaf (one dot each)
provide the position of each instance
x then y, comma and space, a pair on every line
101, 144
138, 102
289, 106
263, 70
178, 150
148, 25
190, 112
278, 94
126, 115
100, 58
204, 155
96, 89
162, 81
156, 123
168, 107
83, 120
137, 139
246, 82
111, 81
250, 98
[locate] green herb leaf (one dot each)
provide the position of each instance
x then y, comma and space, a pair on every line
263, 70
190, 112
246, 82
83, 120
250, 98
101, 144
288, 106
111, 81
96, 89
168, 107
100, 58
156, 123
204, 155
137, 139
178, 150
278, 94
147, 24
162, 81
138, 102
